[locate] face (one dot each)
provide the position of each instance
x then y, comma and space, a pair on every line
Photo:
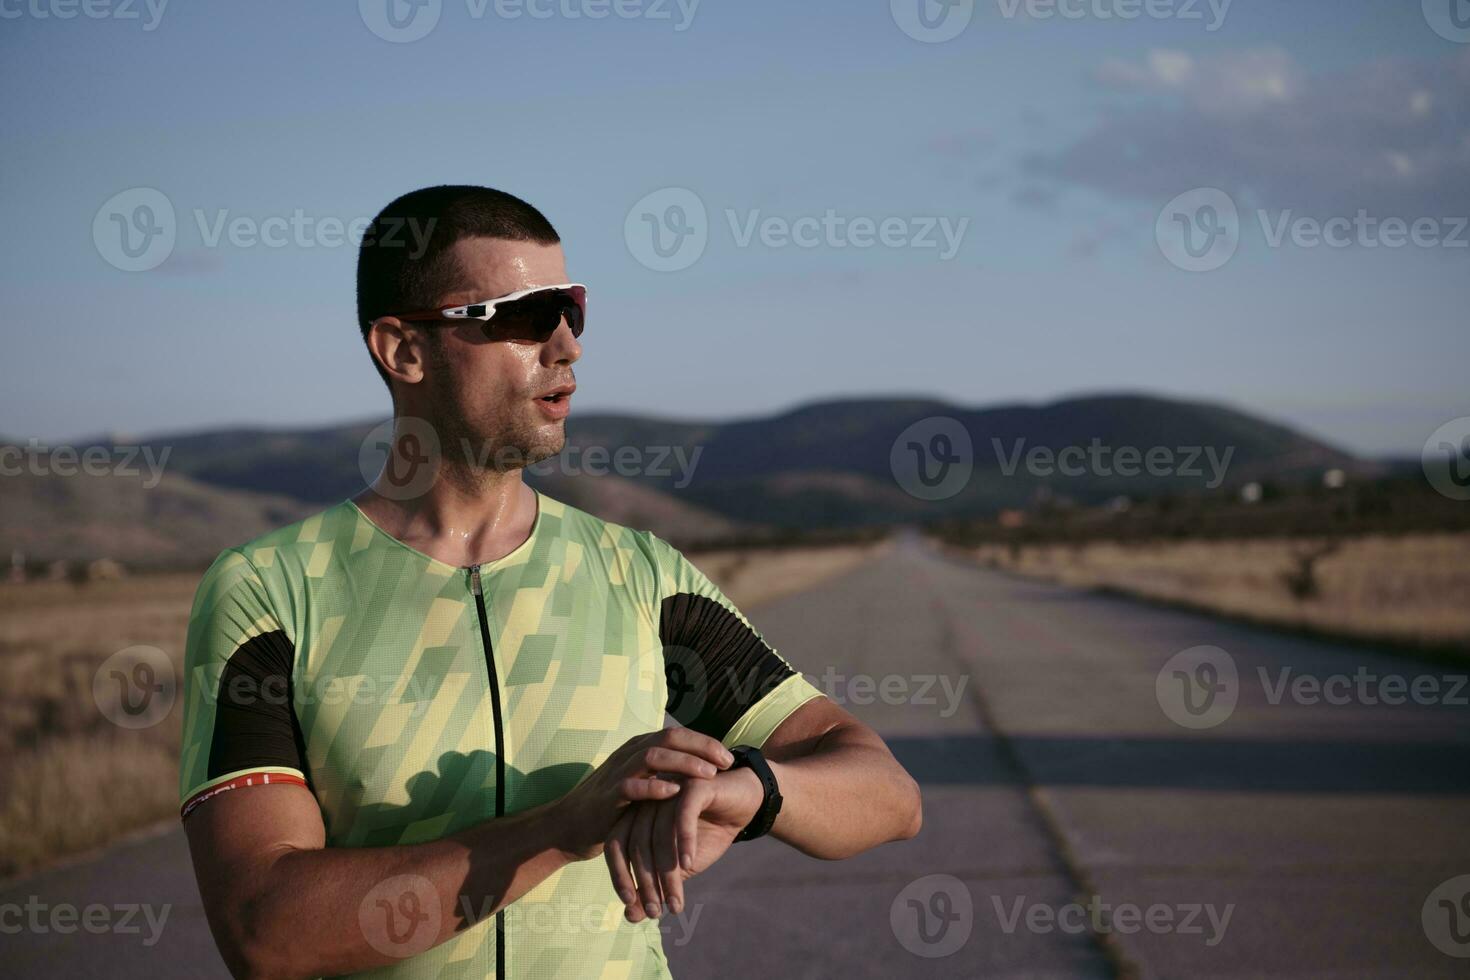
488, 399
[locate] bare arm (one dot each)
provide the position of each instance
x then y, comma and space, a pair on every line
842, 790
268, 879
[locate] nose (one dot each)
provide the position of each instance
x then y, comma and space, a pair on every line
561, 347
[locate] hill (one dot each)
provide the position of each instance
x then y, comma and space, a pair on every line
828, 465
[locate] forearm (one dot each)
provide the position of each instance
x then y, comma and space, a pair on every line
843, 795
329, 895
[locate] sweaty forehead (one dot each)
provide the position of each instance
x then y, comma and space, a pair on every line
492, 267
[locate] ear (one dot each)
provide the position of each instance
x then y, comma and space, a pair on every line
399, 348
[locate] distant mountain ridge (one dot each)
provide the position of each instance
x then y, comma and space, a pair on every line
825, 463
828, 464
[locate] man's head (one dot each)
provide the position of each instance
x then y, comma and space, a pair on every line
452, 246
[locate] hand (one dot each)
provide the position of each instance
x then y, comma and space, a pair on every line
670, 841
632, 775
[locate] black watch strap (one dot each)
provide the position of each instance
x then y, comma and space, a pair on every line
765, 817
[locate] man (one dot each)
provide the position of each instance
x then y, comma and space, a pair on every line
413, 721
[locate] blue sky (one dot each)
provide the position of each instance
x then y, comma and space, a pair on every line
1054, 143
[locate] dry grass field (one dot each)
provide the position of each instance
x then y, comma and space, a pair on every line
1410, 590
70, 780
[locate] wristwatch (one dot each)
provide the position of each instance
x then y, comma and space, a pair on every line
765, 817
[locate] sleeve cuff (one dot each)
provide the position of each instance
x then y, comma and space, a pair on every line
766, 715
264, 776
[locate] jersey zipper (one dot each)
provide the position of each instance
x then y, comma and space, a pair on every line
499, 746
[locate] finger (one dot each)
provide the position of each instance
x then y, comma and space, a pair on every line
615, 851
686, 829
640, 845
665, 858
635, 789
658, 758
695, 743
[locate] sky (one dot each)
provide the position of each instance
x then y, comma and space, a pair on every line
1255, 202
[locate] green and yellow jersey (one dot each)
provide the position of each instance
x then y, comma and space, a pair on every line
415, 698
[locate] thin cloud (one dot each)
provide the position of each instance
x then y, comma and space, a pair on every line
1391, 137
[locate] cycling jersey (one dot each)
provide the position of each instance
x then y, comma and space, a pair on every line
415, 698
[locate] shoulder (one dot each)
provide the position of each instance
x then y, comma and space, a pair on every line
630, 556
589, 530
276, 559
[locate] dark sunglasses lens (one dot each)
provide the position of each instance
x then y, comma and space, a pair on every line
536, 318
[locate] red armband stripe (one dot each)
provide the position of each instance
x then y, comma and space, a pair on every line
248, 779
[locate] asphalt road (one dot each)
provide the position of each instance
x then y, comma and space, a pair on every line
1072, 829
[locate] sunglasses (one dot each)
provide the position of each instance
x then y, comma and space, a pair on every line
531, 314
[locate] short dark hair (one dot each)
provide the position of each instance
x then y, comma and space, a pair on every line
404, 263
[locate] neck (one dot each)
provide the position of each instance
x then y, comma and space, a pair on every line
466, 515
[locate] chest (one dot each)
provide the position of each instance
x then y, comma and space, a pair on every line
436, 706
